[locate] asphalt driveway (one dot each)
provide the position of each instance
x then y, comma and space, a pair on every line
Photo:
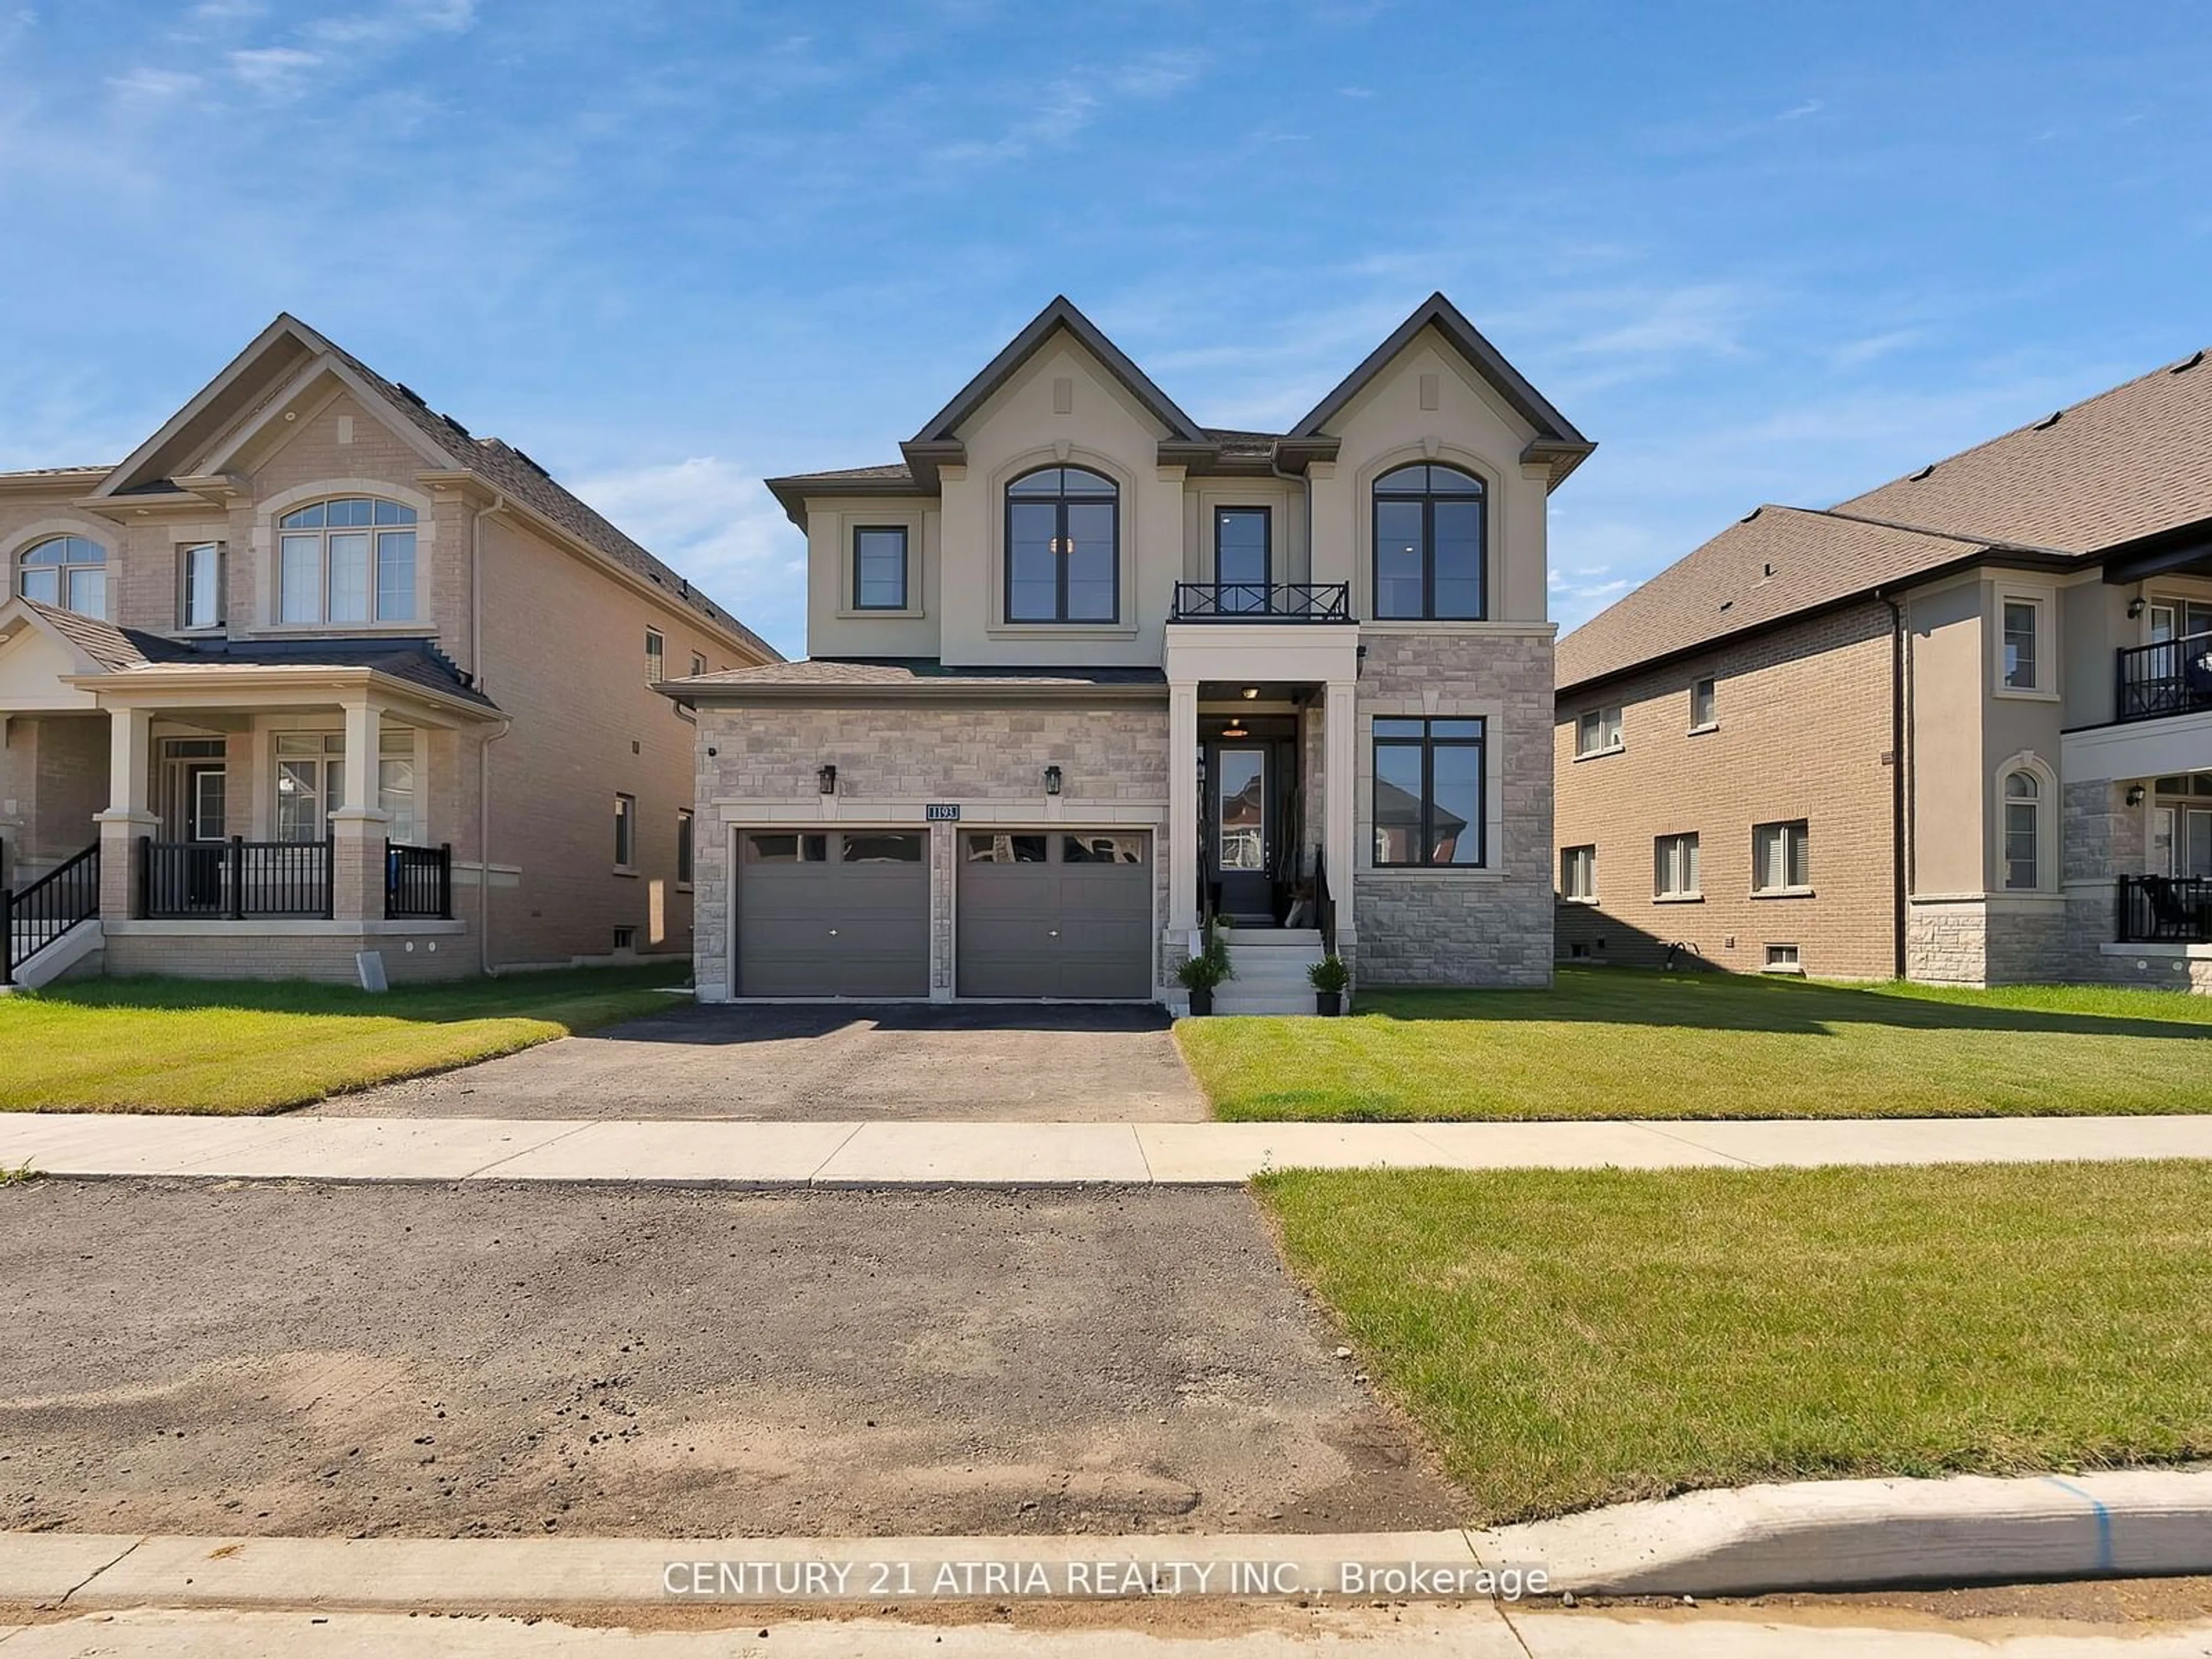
288, 1358
1069, 1063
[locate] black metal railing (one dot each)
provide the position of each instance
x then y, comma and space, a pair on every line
2165, 910
2173, 676
419, 883
1313, 602
33, 919
1324, 904
230, 880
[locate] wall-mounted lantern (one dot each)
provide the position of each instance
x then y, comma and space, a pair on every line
1051, 779
826, 780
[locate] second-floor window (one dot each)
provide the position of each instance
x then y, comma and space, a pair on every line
199, 586
1063, 547
1242, 562
1598, 731
350, 560
879, 567
656, 657
68, 572
1429, 544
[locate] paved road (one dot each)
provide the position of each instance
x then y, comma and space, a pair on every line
1070, 1064
453, 1361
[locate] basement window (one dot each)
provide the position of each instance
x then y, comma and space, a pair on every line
1782, 959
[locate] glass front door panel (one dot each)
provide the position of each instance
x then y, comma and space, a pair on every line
1241, 810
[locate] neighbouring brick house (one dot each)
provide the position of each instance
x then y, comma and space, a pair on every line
1085, 673
1957, 729
317, 672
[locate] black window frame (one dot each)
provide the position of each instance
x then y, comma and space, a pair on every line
1428, 497
906, 565
1266, 582
1428, 743
625, 831
687, 846
1062, 501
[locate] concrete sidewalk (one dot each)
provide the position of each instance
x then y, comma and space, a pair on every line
877, 1154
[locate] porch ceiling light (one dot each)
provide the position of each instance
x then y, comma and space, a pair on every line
826, 780
1051, 779
1235, 729
1251, 692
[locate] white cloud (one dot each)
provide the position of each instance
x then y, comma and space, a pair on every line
1071, 104
1798, 112
148, 82
275, 72
402, 20
714, 522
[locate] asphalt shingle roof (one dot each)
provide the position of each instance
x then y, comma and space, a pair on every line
2123, 465
829, 672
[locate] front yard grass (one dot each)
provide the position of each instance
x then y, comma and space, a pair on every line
155, 1045
1619, 1043
1569, 1339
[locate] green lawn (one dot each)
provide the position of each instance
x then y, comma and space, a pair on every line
1616, 1043
152, 1045
1572, 1339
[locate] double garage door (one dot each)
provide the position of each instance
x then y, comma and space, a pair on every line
845, 913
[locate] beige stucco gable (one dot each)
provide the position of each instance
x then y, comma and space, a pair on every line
1429, 402
36, 661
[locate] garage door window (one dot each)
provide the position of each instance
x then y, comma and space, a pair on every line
881, 849
1102, 849
786, 850
1006, 849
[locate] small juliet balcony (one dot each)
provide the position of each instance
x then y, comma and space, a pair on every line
2171, 676
1262, 602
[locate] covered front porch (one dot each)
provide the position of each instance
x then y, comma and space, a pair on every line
1262, 797
265, 821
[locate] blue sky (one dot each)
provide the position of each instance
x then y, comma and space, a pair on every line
1759, 251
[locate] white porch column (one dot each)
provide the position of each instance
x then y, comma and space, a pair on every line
129, 815
1181, 849
1339, 737
357, 828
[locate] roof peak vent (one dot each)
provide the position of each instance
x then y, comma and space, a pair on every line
1923, 473
2188, 362
2048, 422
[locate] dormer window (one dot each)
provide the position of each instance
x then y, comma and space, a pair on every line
1063, 547
66, 571
1429, 544
351, 560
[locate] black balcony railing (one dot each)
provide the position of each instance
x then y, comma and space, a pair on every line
1311, 602
419, 883
2165, 910
2173, 676
230, 880
33, 919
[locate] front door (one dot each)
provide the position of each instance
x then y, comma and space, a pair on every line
1242, 830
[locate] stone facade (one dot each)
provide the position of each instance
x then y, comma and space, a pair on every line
318, 950
1487, 927
759, 766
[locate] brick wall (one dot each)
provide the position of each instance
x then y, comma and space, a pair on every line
1492, 926
1802, 732
243, 950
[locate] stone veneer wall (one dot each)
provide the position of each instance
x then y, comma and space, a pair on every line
2104, 839
1457, 928
892, 760
1946, 943
321, 952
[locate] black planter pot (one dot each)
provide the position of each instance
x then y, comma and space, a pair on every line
1328, 1003
1202, 1000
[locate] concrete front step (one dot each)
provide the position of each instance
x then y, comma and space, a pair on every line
1274, 936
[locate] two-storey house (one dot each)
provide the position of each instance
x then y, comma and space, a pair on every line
1084, 675
1957, 729
317, 674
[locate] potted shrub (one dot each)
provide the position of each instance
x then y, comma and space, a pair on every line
1201, 973
1330, 977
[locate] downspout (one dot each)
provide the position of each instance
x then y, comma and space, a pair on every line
1321, 846
484, 747
1900, 875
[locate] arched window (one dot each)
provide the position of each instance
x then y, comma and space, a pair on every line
67, 571
349, 559
1063, 547
2023, 830
1429, 544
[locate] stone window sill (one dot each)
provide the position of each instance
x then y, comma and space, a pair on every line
1679, 898
1599, 754
1781, 892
